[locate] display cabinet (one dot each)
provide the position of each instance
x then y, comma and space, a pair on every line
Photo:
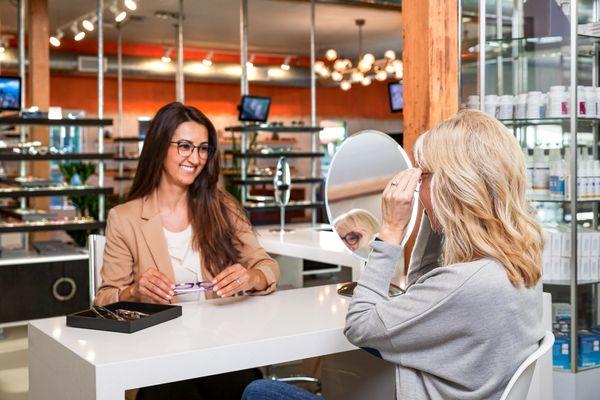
534, 66
245, 151
45, 277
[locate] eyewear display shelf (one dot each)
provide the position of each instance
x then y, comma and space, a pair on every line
512, 64
245, 181
122, 177
54, 282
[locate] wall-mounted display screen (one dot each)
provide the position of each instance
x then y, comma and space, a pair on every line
396, 93
10, 93
254, 109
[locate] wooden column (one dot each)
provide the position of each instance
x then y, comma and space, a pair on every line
430, 58
39, 88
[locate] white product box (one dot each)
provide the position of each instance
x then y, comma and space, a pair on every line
565, 243
583, 270
594, 268
547, 252
586, 243
595, 244
564, 269
547, 273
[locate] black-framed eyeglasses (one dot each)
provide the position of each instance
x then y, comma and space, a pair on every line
185, 148
351, 238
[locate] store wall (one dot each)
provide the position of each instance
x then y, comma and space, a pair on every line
362, 106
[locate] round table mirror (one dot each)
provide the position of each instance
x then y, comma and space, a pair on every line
358, 174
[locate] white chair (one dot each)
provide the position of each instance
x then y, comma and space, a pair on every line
96, 252
518, 386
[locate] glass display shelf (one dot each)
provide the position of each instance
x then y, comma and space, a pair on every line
272, 206
268, 128
546, 121
51, 225
269, 180
62, 190
273, 154
46, 157
548, 199
18, 120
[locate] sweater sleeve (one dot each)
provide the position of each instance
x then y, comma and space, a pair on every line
397, 327
426, 253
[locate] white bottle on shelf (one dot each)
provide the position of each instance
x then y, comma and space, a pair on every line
541, 172
535, 103
473, 102
521, 106
567, 173
491, 105
505, 108
557, 102
581, 102
590, 101
596, 179
557, 181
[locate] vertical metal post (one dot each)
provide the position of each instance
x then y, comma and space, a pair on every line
499, 58
460, 44
101, 199
244, 87
517, 59
121, 150
244, 45
180, 79
313, 104
595, 72
481, 66
22, 129
573, 122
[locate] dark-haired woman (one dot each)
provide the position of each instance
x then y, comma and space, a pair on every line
178, 226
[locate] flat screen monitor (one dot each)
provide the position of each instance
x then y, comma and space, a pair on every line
254, 108
395, 91
10, 93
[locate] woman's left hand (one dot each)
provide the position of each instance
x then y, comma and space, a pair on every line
234, 279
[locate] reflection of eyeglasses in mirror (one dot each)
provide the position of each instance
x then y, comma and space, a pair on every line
352, 238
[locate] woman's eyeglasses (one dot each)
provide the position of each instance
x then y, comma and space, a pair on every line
185, 148
189, 287
351, 238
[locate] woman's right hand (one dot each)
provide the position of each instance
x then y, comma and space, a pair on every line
396, 205
153, 286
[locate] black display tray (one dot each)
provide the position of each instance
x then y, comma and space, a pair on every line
159, 313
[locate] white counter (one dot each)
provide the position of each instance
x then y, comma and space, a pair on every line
307, 242
210, 338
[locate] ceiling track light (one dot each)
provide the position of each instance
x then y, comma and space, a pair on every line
77, 34
208, 59
55, 40
286, 64
130, 5
88, 23
166, 58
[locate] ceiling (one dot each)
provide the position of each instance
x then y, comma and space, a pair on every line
275, 26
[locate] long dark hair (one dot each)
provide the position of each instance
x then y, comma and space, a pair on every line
213, 212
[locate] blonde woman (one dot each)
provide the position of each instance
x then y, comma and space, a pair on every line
356, 228
472, 310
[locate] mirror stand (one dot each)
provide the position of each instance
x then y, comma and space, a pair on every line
282, 227
347, 289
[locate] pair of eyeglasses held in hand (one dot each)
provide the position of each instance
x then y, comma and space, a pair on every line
190, 287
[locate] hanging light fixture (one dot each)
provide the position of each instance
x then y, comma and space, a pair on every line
208, 59
166, 58
331, 54
3, 45
365, 68
286, 64
55, 40
131, 5
77, 34
118, 14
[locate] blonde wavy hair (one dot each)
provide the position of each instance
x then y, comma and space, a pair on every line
357, 218
478, 194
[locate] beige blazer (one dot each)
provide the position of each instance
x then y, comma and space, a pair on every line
135, 242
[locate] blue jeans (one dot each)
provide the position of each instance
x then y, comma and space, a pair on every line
265, 389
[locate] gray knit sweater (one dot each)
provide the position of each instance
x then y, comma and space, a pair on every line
459, 332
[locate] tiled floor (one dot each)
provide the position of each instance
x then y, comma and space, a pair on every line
13, 364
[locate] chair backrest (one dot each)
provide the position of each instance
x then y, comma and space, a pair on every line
518, 386
96, 252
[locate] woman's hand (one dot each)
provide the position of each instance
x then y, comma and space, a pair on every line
396, 205
236, 278
153, 285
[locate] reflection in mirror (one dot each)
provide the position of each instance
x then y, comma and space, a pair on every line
358, 174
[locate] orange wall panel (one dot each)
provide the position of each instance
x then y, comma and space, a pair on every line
146, 96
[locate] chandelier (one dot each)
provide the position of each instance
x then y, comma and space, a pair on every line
367, 67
